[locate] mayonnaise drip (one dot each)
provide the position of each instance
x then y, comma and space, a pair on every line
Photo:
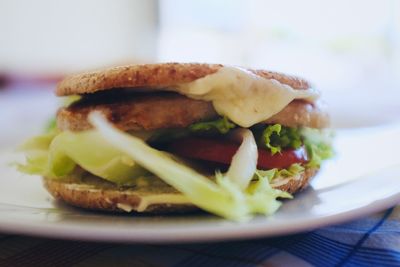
245, 98
149, 200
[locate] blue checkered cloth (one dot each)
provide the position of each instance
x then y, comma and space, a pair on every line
372, 241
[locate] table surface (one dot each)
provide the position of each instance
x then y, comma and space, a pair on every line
371, 241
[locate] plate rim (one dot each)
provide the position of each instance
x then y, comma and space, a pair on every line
77, 232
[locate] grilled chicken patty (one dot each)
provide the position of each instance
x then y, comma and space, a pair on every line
160, 110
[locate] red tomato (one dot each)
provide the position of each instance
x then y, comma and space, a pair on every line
222, 151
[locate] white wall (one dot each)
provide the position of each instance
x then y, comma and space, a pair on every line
348, 49
52, 37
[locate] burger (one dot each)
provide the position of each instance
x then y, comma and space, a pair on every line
177, 137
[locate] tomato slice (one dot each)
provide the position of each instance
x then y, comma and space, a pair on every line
222, 151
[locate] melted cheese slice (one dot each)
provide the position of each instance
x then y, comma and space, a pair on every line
243, 97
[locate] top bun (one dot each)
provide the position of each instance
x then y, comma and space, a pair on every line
158, 76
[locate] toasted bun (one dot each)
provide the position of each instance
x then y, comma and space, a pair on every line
98, 196
154, 75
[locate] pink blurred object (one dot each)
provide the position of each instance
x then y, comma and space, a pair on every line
28, 82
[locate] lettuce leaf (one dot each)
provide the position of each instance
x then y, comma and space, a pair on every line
261, 193
51, 125
222, 197
69, 100
56, 155
267, 135
36, 153
206, 128
318, 144
277, 137
221, 125
271, 174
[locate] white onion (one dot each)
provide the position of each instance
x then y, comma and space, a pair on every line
244, 162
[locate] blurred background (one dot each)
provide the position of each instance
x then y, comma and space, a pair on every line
350, 50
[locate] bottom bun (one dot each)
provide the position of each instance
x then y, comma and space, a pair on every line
97, 194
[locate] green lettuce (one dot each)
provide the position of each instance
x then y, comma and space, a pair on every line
36, 152
221, 125
51, 125
222, 197
318, 144
56, 155
277, 137
69, 100
207, 128
271, 174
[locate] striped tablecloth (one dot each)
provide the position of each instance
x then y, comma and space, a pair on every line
372, 241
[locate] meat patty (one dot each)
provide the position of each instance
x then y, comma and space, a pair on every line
161, 110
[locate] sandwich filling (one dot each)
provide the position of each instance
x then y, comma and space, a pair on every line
228, 164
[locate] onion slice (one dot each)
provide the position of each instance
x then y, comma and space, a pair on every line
244, 162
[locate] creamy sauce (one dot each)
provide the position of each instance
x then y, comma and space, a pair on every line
147, 201
282, 180
243, 97
125, 207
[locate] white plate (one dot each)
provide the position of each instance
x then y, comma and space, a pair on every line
362, 179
